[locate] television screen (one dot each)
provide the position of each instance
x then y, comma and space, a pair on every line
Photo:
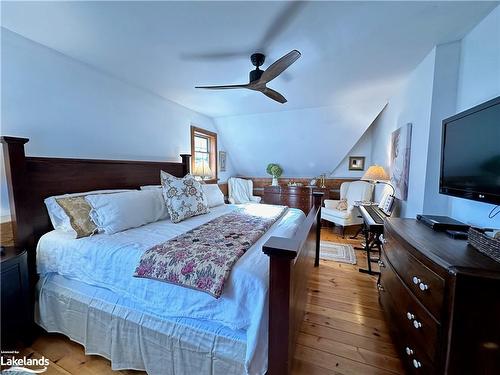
470, 159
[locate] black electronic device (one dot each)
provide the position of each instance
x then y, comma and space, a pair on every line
442, 223
470, 155
457, 234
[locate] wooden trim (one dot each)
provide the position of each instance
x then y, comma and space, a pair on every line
291, 262
331, 184
224, 188
213, 149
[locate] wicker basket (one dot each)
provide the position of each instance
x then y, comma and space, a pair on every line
487, 245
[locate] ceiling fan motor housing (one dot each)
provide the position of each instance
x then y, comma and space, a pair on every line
257, 60
255, 74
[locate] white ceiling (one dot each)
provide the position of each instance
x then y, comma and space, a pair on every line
351, 51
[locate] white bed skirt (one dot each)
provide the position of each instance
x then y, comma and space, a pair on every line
107, 325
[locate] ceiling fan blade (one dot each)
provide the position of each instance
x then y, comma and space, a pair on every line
275, 95
280, 23
215, 55
276, 68
223, 87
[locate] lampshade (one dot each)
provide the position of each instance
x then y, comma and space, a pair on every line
202, 169
375, 173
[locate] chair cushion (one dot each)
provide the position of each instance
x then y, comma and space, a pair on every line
359, 191
345, 214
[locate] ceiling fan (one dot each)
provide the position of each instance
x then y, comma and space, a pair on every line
260, 78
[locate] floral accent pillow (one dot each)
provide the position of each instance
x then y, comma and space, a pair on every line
342, 205
184, 197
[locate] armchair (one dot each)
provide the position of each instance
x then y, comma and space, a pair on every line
241, 191
352, 192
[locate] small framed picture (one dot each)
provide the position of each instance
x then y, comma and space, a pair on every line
222, 161
356, 163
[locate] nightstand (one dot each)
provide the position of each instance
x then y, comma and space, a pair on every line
16, 307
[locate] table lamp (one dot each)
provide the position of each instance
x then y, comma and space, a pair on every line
378, 175
202, 170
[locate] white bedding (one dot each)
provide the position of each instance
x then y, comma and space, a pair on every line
109, 261
109, 325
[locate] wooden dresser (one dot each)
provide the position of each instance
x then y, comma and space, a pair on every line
442, 300
293, 196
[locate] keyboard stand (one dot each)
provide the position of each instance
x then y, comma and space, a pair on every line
360, 228
353, 237
372, 244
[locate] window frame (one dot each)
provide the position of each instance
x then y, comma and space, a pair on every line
212, 137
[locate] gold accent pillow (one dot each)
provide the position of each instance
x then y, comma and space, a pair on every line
342, 205
78, 210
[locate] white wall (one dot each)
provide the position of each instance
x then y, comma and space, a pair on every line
444, 99
69, 109
411, 105
363, 147
479, 81
306, 143
452, 78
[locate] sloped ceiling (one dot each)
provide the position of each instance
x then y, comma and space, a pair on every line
352, 52
306, 143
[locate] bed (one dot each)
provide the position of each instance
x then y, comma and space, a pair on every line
251, 328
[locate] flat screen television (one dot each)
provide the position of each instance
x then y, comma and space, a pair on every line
470, 154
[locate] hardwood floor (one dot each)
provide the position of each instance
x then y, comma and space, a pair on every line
344, 331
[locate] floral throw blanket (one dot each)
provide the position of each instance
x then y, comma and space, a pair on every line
203, 257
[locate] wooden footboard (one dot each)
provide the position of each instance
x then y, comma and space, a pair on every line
291, 262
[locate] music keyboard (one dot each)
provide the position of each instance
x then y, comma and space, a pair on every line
372, 216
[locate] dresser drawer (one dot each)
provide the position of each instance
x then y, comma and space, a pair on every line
426, 285
272, 198
413, 356
419, 329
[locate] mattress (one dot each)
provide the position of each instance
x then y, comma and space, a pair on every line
108, 262
109, 325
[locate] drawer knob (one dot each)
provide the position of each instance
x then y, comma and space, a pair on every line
380, 287
423, 286
410, 316
381, 263
409, 351
416, 364
416, 280
417, 324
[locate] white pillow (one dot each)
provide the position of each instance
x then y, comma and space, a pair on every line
214, 195
113, 213
57, 215
150, 187
158, 189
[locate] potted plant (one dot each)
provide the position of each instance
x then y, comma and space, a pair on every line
276, 171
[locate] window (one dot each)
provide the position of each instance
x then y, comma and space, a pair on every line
203, 153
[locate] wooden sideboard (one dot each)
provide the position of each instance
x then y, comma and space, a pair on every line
442, 300
331, 184
293, 196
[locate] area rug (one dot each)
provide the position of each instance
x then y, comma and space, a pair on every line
338, 252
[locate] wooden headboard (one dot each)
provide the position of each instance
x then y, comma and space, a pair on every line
32, 179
